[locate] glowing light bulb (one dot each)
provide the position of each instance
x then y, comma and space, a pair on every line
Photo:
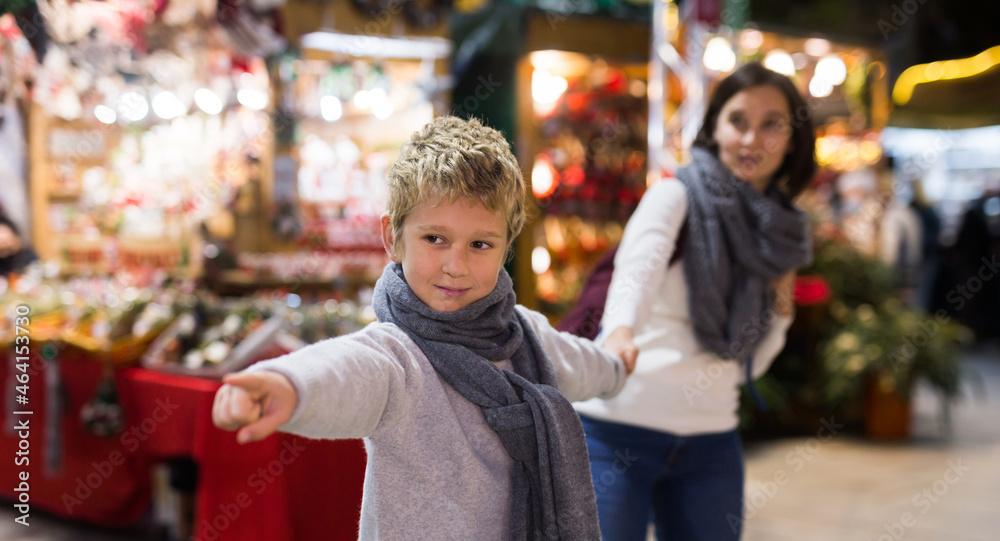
208, 101
540, 260
252, 99
780, 61
831, 68
719, 55
330, 108
105, 114
133, 106
543, 181
167, 106
546, 88
820, 87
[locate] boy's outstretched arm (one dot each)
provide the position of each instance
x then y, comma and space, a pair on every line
255, 403
584, 369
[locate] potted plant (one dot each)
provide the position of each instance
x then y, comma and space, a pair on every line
859, 359
880, 352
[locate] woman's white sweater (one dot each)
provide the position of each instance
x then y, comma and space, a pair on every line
678, 386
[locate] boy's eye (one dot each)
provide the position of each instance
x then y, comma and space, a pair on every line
433, 239
480, 245
737, 121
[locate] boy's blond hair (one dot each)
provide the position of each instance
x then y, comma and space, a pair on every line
449, 159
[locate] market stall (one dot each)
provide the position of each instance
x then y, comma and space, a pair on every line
202, 184
107, 480
589, 165
573, 108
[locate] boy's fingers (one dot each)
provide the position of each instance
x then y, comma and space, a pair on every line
262, 428
220, 409
234, 407
242, 408
218, 406
255, 384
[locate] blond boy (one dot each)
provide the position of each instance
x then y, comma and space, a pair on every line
454, 388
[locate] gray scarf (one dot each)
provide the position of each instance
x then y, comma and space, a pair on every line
552, 495
739, 241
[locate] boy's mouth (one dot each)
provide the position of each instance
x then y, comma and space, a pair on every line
451, 291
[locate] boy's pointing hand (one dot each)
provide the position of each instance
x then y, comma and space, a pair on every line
256, 403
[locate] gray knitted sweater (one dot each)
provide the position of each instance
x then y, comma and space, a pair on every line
435, 470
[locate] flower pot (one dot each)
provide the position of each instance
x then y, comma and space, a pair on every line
887, 411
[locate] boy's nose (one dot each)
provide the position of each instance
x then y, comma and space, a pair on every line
456, 263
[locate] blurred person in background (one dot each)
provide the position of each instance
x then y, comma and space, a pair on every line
972, 281
932, 250
901, 239
667, 448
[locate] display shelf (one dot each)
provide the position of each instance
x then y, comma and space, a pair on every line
352, 115
63, 196
587, 163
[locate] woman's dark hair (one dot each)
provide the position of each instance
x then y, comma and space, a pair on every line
800, 163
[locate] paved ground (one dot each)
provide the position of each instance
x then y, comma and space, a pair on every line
934, 488
937, 487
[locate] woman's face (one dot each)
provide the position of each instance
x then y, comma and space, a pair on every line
754, 134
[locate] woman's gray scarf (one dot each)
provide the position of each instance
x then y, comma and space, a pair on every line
739, 241
552, 492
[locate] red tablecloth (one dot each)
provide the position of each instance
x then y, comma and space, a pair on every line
281, 488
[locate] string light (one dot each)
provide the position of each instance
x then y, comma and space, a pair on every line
780, 61
943, 71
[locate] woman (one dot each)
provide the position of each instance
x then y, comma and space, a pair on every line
667, 447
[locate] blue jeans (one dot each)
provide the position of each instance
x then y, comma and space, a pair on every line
690, 486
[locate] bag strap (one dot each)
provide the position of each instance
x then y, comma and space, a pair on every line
585, 318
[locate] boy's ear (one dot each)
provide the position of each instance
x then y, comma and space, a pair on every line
388, 239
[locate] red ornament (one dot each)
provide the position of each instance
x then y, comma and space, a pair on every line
811, 290
573, 176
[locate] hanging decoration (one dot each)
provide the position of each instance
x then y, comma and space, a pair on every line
166, 104
29, 20
251, 32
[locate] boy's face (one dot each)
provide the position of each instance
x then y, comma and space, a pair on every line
451, 252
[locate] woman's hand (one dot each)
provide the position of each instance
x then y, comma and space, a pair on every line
620, 343
784, 294
256, 403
